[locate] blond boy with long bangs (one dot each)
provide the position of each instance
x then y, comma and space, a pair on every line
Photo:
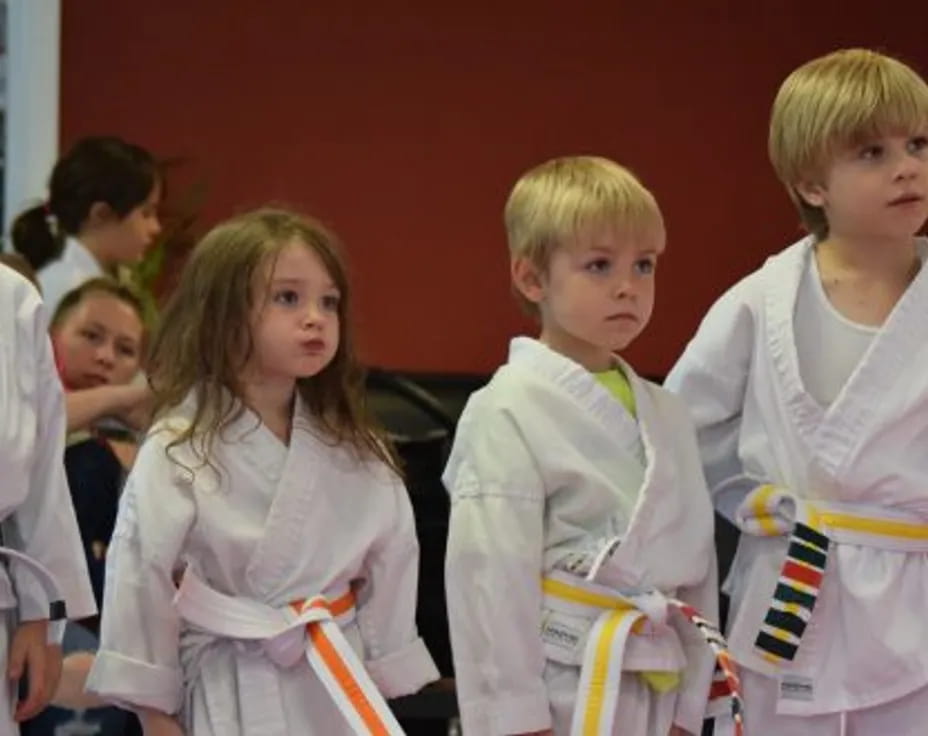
575, 483
808, 382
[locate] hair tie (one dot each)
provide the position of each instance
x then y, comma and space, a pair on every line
50, 219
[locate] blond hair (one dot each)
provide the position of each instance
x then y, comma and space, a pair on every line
98, 285
836, 102
204, 339
551, 203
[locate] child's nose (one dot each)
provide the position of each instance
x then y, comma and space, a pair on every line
312, 315
106, 354
623, 286
908, 165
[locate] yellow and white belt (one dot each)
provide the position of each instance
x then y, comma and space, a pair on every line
616, 618
811, 527
310, 628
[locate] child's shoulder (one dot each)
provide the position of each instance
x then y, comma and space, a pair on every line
493, 415
662, 399
490, 448
669, 406
167, 435
171, 423
768, 274
19, 299
507, 387
743, 302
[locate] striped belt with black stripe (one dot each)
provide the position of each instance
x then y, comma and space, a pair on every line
813, 527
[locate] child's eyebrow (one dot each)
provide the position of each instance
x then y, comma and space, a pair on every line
296, 281
611, 250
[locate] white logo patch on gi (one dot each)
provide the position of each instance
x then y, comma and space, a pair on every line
564, 637
796, 687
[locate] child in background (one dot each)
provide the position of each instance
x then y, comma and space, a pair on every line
98, 331
102, 210
98, 335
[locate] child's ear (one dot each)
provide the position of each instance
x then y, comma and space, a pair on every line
100, 213
527, 279
812, 193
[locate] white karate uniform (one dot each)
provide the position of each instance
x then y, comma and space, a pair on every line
546, 467
35, 503
275, 524
75, 266
867, 643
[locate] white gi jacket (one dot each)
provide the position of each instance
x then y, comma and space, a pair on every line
35, 505
546, 467
76, 265
277, 524
867, 642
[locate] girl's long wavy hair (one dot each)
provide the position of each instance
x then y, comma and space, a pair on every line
204, 342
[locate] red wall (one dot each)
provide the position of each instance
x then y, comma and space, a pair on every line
403, 125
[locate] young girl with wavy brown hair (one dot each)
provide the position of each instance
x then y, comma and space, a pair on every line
263, 480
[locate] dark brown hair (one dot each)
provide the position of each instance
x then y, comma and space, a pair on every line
98, 169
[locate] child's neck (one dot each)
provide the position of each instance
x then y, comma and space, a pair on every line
865, 279
889, 259
92, 241
591, 357
272, 401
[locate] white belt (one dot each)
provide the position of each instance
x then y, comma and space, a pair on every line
616, 617
310, 628
57, 610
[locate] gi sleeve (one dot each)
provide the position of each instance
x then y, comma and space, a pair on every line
138, 660
493, 576
711, 378
395, 655
44, 526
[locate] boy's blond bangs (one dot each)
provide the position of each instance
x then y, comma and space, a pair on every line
837, 102
557, 200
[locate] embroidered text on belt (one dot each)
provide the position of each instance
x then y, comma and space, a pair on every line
616, 618
812, 526
309, 628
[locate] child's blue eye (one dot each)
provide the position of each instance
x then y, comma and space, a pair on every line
330, 303
871, 153
598, 266
918, 144
645, 266
287, 297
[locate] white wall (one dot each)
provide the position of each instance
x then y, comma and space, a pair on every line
33, 45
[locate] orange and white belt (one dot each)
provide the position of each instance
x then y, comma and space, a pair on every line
311, 628
617, 616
